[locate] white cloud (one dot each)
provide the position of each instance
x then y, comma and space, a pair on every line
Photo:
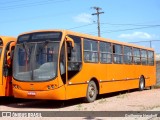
137, 35
83, 18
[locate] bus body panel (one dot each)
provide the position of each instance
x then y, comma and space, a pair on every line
39, 86
56, 94
76, 91
22, 89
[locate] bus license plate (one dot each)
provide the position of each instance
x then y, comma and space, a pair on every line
31, 93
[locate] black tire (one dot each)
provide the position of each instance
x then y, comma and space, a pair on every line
141, 83
151, 87
92, 91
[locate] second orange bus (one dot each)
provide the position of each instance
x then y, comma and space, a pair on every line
7, 45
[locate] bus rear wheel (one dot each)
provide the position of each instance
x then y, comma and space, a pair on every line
141, 83
91, 92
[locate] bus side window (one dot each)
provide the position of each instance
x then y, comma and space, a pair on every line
144, 57
90, 50
136, 56
74, 56
105, 52
150, 58
117, 54
127, 55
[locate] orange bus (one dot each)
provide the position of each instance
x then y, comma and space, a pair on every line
7, 45
62, 65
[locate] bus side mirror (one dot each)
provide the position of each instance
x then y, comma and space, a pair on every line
70, 40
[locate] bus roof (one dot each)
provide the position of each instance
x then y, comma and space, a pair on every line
7, 39
90, 37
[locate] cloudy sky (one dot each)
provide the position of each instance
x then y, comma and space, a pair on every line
124, 20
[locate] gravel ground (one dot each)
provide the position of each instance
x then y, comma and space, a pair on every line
147, 100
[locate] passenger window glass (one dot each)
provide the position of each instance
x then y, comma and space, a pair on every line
150, 57
117, 54
136, 56
105, 52
144, 57
127, 55
74, 57
90, 50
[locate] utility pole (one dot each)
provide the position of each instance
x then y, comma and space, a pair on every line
98, 21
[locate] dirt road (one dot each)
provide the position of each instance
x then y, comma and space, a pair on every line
120, 101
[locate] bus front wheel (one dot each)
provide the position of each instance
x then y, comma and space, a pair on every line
141, 83
91, 92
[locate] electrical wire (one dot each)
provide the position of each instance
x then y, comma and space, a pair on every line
30, 4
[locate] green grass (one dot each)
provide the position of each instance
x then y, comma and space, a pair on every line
103, 100
156, 86
123, 95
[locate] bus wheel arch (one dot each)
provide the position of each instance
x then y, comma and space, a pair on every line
141, 83
92, 90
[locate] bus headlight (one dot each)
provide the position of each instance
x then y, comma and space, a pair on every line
16, 86
51, 87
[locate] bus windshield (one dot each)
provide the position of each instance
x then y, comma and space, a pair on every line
36, 61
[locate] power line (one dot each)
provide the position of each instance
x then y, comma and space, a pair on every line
131, 24
111, 31
30, 4
150, 42
81, 26
146, 26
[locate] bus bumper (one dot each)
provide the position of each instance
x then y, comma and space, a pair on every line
56, 94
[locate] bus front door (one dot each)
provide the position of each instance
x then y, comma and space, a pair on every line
7, 68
